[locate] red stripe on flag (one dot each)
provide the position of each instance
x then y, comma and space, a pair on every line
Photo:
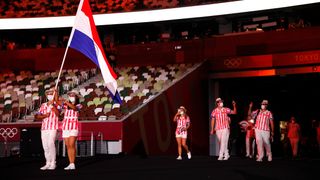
87, 11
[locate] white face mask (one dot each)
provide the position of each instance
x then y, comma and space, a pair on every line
263, 107
221, 104
72, 99
50, 97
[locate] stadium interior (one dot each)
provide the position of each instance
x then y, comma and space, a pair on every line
246, 57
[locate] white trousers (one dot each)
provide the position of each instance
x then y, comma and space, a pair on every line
250, 146
48, 138
223, 138
263, 142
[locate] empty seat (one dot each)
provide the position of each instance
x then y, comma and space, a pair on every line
97, 110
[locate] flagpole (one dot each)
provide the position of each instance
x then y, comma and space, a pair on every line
65, 53
63, 60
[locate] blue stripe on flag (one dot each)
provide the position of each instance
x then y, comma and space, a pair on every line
85, 45
117, 98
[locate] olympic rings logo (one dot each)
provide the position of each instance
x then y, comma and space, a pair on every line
8, 132
232, 62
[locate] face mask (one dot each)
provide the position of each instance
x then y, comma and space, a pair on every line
72, 99
263, 107
221, 104
50, 97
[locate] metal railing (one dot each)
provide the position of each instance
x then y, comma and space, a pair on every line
91, 138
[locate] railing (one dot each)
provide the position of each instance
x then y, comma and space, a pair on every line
85, 137
88, 143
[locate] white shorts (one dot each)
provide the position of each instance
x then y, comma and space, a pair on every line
184, 136
68, 133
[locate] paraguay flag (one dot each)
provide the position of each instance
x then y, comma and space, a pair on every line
85, 38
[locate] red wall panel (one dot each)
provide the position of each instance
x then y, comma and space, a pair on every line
214, 48
152, 127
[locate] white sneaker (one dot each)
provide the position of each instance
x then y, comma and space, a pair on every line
45, 167
52, 167
70, 167
189, 155
259, 160
220, 158
226, 157
179, 158
270, 158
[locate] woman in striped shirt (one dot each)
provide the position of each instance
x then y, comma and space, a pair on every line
183, 124
70, 125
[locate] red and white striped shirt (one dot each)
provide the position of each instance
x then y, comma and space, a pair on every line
263, 120
221, 118
182, 123
51, 122
70, 119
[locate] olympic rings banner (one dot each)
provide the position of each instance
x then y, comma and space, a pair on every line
11, 132
242, 62
110, 130
266, 61
8, 132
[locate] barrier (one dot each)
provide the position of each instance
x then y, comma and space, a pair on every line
7, 133
84, 148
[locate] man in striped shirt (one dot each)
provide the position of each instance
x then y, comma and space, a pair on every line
220, 124
49, 115
264, 130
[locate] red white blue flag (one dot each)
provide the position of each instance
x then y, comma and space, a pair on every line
85, 39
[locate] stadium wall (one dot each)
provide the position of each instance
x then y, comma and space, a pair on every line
184, 51
151, 130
